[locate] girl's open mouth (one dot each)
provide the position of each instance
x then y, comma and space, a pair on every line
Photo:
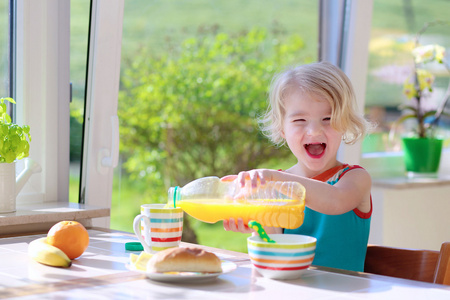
315, 150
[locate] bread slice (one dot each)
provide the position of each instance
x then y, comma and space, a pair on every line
186, 259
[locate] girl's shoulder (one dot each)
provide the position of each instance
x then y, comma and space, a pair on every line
333, 175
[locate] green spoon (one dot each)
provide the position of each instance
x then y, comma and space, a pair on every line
260, 230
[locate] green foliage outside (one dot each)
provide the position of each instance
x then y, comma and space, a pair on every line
191, 111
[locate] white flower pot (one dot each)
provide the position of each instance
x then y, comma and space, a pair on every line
7, 187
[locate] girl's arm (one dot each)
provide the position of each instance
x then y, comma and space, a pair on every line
350, 192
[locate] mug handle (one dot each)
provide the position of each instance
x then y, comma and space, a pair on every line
137, 230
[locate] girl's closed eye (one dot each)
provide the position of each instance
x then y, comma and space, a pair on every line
299, 120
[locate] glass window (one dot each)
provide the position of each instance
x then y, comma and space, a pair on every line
4, 49
79, 34
194, 77
394, 27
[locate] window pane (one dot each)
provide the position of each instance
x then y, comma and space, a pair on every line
79, 30
4, 49
394, 26
194, 78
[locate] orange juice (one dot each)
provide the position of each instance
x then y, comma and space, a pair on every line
288, 216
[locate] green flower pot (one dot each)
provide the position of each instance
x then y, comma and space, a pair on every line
422, 155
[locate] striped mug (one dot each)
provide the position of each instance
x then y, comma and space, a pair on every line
158, 227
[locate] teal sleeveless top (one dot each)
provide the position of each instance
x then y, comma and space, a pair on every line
341, 239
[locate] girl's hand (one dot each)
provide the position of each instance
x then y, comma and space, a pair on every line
249, 181
228, 178
236, 226
255, 176
239, 226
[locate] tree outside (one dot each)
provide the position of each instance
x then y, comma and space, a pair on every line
191, 111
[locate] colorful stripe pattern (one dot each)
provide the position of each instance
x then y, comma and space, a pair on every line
166, 227
279, 256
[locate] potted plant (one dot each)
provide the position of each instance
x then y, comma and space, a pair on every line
14, 145
14, 139
422, 146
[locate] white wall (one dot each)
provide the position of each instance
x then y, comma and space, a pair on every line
408, 212
413, 217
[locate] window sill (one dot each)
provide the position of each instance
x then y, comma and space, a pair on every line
40, 217
387, 170
408, 183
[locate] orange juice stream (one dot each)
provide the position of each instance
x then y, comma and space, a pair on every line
288, 216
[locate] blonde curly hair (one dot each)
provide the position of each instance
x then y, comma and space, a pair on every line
324, 80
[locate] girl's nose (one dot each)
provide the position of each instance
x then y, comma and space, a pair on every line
314, 128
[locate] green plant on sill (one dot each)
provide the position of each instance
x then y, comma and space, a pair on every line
14, 139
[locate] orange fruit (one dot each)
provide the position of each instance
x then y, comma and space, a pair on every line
69, 236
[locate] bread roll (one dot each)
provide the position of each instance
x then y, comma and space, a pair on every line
188, 259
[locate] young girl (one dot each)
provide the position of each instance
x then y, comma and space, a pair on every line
312, 109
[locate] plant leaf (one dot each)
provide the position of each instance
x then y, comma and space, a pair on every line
429, 113
405, 117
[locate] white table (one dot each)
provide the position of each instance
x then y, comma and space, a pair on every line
101, 273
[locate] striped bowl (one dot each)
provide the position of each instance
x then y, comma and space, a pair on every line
286, 259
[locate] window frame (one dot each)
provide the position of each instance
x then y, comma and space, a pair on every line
42, 80
101, 126
42, 94
354, 62
344, 41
